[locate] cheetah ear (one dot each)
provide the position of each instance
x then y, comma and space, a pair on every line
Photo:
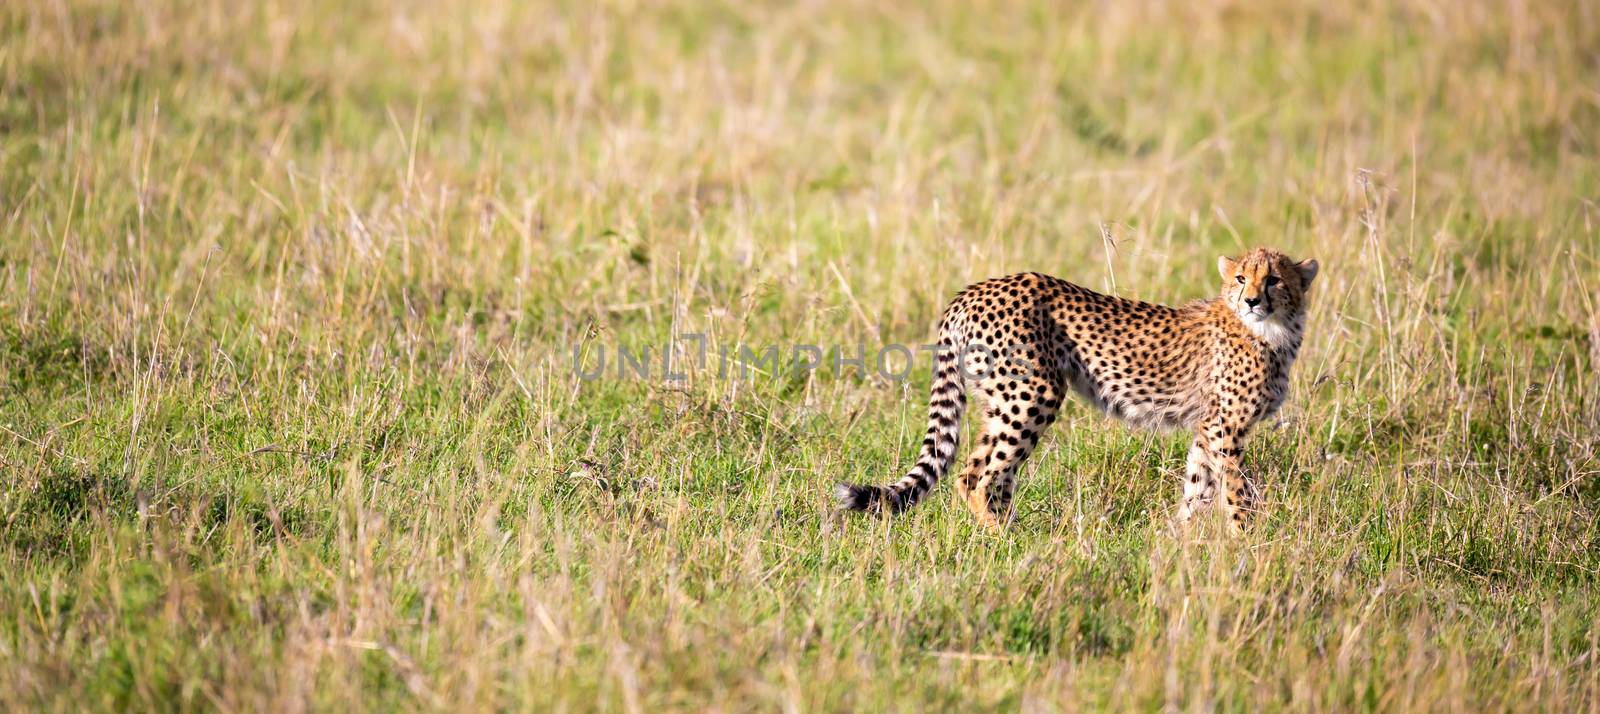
1308, 270
1226, 266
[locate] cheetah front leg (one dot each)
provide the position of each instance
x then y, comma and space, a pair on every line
1241, 494
1199, 483
1214, 464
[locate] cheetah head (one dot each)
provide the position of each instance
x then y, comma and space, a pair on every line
1267, 290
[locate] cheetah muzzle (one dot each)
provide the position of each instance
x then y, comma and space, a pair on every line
1020, 343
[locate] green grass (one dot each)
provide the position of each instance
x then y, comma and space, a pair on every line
289, 293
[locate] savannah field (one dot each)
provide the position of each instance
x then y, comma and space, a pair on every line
290, 293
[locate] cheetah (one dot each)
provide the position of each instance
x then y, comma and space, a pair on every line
1216, 367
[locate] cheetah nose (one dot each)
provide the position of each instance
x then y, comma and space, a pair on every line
1252, 301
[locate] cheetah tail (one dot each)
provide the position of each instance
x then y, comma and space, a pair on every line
946, 403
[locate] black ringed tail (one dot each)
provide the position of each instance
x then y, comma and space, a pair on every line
947, 400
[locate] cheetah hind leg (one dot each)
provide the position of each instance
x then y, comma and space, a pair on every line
988, 480
967, 491
1011, 430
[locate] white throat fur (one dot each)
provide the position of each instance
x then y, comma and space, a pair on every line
1276, 332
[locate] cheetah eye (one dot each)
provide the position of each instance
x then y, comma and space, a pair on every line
1240, 278
1272, 280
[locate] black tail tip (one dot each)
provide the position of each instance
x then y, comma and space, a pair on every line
858, 498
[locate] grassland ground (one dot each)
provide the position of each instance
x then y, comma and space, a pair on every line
289, 293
